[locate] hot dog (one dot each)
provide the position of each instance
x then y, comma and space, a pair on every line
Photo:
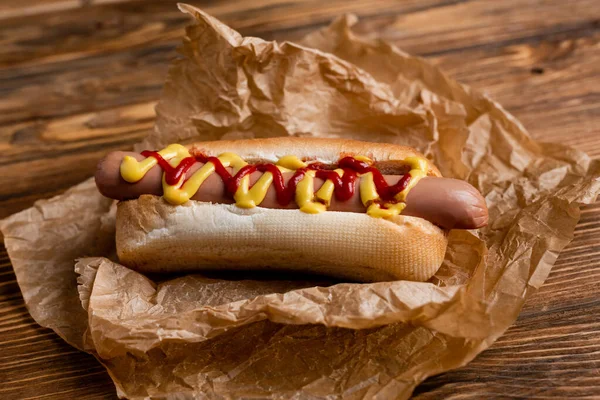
288, 179
448, 203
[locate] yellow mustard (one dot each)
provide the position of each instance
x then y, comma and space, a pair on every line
248, 197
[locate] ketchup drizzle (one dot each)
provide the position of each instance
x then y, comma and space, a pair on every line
344, 186
385, 191
172, 174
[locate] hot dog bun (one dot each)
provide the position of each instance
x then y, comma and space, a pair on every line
155, 236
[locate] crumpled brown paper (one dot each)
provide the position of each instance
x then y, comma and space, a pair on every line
209, 337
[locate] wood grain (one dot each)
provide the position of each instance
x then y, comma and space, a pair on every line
80, 78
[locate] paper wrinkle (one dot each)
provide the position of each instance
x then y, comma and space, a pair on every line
175, 303
42, 243
210, 337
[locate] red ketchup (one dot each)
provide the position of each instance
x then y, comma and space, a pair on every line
172, 174
385, 191
344, 186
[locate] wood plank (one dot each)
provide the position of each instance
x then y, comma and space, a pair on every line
534, 66
104, 28
490, 24
542, 84
30, 8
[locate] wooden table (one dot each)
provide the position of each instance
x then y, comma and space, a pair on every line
80, 78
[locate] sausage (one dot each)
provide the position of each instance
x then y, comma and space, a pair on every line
448, 203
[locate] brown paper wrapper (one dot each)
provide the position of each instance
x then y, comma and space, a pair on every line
200, 337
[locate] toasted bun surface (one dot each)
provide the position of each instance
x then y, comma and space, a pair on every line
387, 156
155, 236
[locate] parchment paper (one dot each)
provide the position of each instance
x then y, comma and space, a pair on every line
195, 336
